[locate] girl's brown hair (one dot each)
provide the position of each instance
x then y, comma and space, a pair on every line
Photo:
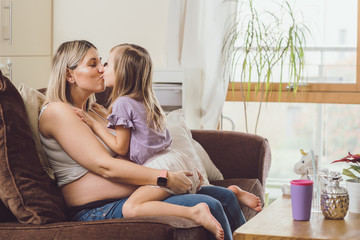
133, 74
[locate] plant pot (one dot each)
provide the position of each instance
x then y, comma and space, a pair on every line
353, 187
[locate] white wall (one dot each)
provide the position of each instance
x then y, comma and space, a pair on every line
107, 23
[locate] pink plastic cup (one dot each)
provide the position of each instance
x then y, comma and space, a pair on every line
301, 197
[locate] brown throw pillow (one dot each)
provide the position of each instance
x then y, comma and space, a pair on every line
5, 214
24, 187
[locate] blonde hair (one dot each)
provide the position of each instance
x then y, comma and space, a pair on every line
68, 55
133, 74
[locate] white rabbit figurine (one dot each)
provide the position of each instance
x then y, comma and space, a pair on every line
301, 168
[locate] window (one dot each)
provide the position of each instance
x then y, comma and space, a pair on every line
331, 54
325, 115
331, 130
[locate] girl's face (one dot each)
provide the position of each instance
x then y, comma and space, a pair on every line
109, 71
88, 75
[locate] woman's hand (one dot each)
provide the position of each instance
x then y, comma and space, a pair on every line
201, 178
178, 182
86, 118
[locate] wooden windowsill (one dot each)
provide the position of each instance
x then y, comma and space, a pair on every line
300, 97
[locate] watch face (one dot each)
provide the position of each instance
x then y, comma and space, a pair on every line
162, 181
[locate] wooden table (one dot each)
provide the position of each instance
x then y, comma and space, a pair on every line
276, 222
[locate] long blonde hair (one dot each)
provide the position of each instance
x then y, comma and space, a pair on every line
68, 55
133, 74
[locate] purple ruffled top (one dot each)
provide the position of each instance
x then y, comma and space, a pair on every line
144, 141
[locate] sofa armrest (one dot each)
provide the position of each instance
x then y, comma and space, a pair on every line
236, 154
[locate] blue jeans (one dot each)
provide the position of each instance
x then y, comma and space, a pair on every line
229, 203
221, 201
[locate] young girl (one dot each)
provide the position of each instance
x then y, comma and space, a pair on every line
140, 134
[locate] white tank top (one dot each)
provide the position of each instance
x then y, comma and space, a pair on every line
66, 169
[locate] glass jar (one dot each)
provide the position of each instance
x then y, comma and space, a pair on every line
334, 198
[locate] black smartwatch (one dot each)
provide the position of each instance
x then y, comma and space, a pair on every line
162, 179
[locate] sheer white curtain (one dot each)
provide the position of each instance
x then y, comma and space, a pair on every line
196, 33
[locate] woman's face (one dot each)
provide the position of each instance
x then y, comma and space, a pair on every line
109, 71
88, 75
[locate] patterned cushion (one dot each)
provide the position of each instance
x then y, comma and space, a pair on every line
24, 187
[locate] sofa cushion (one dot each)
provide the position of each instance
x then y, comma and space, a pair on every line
24, 187
159, 228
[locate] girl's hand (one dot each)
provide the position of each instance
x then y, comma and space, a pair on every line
86, 118
100, 110
178, 182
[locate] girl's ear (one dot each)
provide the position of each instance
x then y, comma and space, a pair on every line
70, 76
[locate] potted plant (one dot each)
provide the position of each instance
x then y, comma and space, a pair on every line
352, 184
264, 45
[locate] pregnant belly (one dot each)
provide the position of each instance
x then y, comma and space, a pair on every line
91, 187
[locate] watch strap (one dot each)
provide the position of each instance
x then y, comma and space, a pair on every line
163, 173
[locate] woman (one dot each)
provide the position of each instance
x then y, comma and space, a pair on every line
95, 185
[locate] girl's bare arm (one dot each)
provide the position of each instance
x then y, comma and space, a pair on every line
119, 143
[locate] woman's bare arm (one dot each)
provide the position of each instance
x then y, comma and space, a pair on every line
76, 138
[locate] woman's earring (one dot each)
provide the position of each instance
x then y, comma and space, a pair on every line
71, 80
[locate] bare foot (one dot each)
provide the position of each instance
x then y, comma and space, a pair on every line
246, 198
203, 216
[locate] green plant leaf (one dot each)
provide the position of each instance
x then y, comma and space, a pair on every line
355, 168
348, 173
255, 48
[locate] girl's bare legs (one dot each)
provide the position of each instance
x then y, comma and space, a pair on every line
146, 201
246, 198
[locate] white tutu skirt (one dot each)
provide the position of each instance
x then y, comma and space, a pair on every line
173, 160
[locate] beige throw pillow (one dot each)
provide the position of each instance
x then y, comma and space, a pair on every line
33, 101
181, 140
178, 128
213, 173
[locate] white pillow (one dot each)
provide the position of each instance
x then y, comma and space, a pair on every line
176, 124
33, 101
213, 173
181, 140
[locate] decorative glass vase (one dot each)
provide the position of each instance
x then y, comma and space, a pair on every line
334, 198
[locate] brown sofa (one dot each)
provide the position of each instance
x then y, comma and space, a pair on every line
37, 209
